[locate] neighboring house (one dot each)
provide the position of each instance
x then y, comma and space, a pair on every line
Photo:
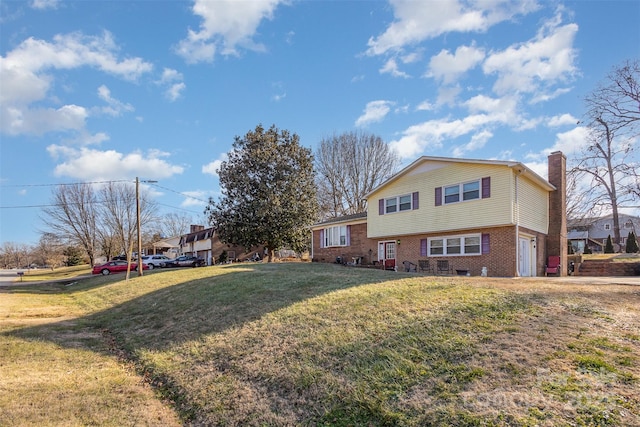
204, 242
479, 215
593, 232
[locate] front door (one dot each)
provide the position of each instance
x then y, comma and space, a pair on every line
387, 254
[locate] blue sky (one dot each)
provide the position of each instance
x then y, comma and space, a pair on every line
110, 90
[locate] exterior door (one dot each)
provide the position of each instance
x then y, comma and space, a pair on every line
387, 254
524, 255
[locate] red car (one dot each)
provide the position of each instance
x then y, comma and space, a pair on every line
116, 267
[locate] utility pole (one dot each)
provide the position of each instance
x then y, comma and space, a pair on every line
139, 262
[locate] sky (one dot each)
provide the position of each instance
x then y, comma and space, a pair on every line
94, 91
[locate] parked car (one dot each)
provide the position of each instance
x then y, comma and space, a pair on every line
186, 261
116, 267
155, 261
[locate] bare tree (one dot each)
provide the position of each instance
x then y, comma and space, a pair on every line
349, 166
49, 251
73, 216
119, 214
15, 255
609, 162
175, 224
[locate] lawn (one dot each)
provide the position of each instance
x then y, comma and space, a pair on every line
312, 344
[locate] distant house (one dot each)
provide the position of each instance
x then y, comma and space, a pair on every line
204, 242
491, 216
593, 232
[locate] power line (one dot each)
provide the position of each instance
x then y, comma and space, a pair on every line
63, 184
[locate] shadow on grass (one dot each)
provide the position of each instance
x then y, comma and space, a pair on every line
189, 310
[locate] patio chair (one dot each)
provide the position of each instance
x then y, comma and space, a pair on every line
553, 266
424, 266
443, 267
409, 267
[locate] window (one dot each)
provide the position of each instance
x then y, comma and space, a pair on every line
452, 194
455, 245
398, 204
405, 203
335, 236
436, 247
607, 226
391, 205
471, 190
462, 192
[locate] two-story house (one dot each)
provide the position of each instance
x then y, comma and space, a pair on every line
593, 232
496, 217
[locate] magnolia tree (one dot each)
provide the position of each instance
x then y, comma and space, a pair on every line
268, 192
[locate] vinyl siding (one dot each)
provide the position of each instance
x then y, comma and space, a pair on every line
494, 211
534, 206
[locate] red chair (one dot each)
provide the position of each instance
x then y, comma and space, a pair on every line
553, 266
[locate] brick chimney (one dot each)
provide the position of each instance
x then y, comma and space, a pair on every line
557, 234
196, 228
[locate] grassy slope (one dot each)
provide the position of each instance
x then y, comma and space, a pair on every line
291, 344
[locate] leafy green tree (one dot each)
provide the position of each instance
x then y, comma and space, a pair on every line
632, 243
608, 247
268, 192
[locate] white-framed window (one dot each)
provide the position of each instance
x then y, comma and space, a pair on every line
335, 236
454, 245
398, 204
607, 226
462, 192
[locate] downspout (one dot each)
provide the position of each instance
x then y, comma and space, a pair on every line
311, 245
518, 173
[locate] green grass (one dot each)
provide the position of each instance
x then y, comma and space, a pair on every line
313, 344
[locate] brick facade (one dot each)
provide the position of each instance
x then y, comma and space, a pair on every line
360, 246
500, 261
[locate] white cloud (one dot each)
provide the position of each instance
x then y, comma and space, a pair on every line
416, 21
173, 81
227, 25
447, 95
45, 4
375, 111
175, 91
478, 141
194, 198
448, 67
114, 107
536, 65
213, 167
562, 120
391, 67
92, 165
425, 106
570, 142
486, 113
25, 80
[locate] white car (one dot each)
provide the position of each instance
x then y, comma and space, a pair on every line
154, 261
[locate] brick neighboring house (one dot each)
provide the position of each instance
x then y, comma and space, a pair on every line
475, 214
